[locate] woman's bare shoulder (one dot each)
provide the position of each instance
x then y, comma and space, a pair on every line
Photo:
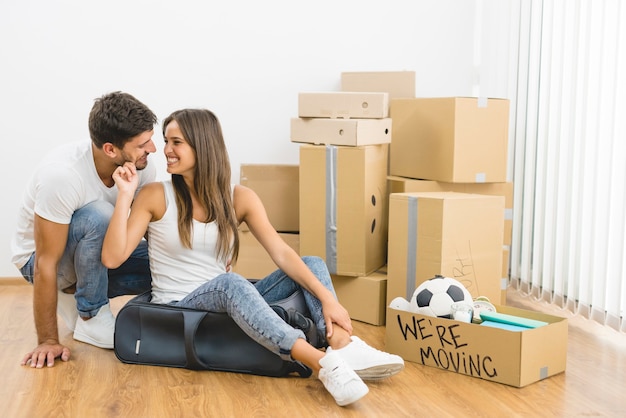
152, 189
152, 198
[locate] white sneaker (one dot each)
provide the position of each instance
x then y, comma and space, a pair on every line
367, 362
98, 330
340, 380
66, 309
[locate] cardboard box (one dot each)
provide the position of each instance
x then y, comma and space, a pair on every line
343, 206
254, 262
398, 184
277, 185
350, 132
406, 185
515, 358
454, 139
343, 104
398, 84
364, 297
457, 235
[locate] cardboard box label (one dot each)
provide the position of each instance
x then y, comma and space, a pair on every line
515, 358
445, 346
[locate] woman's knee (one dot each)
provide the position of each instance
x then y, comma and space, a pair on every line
318, 266
232, 280
314, 262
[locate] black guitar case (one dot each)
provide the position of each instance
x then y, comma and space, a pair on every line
164, 335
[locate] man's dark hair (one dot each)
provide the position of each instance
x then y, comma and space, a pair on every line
117, 117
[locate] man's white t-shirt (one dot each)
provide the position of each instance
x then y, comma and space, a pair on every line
65, 181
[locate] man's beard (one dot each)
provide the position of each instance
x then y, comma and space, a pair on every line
140, 163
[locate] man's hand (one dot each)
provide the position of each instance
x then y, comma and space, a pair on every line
46, 353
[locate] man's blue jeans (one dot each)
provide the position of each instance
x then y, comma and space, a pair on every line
81, 262
248, 304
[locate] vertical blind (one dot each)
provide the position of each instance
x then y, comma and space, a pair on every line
569, 170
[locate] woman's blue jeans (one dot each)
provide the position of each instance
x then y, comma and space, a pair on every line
81, 263
249, 304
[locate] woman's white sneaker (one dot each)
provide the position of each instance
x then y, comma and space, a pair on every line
340, 380
368, 362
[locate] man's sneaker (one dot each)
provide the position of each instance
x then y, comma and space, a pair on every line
340, 380
66, 309
367, 362
98, 330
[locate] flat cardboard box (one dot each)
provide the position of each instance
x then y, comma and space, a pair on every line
350, 132
254, 262
450, 139
364, 297
398, 84
343, 104
457, 235
515, 358
277, 185
343, 206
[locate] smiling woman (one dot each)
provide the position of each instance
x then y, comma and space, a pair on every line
201, 206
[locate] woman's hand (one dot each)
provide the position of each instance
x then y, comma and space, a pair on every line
126, 178
336, 314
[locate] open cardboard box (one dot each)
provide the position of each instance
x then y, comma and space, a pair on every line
515, 358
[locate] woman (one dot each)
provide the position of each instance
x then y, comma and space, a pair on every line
200, 207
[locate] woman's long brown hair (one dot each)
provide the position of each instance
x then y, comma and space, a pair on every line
203, 132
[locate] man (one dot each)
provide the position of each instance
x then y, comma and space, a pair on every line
65, 213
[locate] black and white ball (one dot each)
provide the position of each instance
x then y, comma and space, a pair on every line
435, 296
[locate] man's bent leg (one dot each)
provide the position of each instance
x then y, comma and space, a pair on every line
81, 263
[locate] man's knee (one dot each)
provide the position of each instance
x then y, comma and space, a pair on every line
94, 216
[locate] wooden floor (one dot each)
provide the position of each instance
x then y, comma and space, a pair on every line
95, 384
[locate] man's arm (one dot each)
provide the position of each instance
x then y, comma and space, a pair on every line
50, 241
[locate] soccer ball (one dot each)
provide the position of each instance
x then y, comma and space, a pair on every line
435, 296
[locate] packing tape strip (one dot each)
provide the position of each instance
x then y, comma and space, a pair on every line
411, 248
331, 208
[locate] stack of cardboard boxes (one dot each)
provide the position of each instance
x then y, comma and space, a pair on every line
345, 140
448, 159
394, 189
450, 213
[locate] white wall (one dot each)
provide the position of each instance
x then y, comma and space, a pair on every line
245, 60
